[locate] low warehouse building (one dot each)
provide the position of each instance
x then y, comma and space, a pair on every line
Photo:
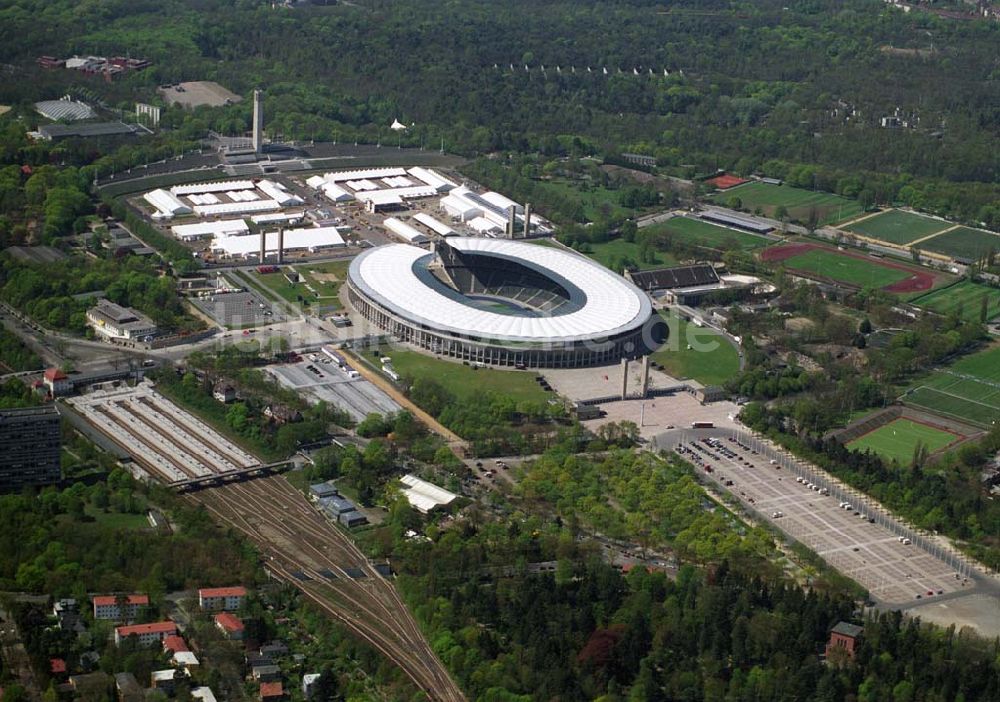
425, 497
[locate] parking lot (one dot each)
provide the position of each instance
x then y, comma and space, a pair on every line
320, 380
850, 533
238, 309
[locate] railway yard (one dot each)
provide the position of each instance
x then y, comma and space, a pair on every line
168, 442
301, 548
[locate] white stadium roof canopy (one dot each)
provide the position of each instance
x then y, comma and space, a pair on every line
612, 304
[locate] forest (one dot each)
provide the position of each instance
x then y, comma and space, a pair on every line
798, 90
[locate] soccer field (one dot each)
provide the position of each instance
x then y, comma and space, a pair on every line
697, 352
963, 242
699, 233
964, 298
799, 203
899, 438
897, 227
969, 389
845, 269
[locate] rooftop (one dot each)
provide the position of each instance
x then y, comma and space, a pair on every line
235, 591
105, 600
848, 629
229, 622
271, 689
152, 628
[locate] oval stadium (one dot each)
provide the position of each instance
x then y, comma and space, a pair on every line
502, 302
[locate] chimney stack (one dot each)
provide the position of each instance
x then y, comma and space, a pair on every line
624, 378
511, 222
527, 220
281, 244
263, 249
258, 122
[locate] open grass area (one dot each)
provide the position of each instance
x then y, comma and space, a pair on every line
461, 380
898, 227
320, 283
118, 520
968, 389
613, 253
963, 242
897, 440
698, 353
845, 269
697, 232
597, 202
799, 203
964, 298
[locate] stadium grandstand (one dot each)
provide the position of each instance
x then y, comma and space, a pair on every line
502, 302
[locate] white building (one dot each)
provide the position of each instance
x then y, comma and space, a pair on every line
278, 193
219, 186
203, 693
204, 230
233, 208
119, 608
311, 239
221, 598
112, 321
166, 204
432, 178
424, 496
335, 193
434, 225
404, 231
459, 209
146, 634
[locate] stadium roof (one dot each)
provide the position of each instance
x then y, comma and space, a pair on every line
609, 304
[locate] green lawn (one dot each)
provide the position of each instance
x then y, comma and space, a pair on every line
613, 253
899, 438
697, 232
898, 227
325, 280
964, 298
963, 242
118, 520
698, 353
461, 380
597, 202
968, 389
845, 269
799, 203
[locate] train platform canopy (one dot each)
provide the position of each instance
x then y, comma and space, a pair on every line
423, 496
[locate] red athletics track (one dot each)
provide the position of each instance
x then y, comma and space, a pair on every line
919, 280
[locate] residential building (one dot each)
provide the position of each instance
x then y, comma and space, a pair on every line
214, 599
163, 680
30, 442
57, 666
274, 649
119, 608
265, 673
309, 681
116, 323
128, 688
57, 382
174, 644
184, 660
844, 638
90, 685
230, 625
282, 414
224, 392
203, 693
146, 634
270, 691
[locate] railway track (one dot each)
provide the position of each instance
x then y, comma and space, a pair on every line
303, 549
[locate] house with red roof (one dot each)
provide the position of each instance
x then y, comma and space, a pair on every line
270, 691
230, 625
146, 634
57, 382
175, 644
214, 599
119, 608
57, 666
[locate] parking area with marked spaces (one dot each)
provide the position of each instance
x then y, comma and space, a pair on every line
319, 380
237, 310
853, 536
